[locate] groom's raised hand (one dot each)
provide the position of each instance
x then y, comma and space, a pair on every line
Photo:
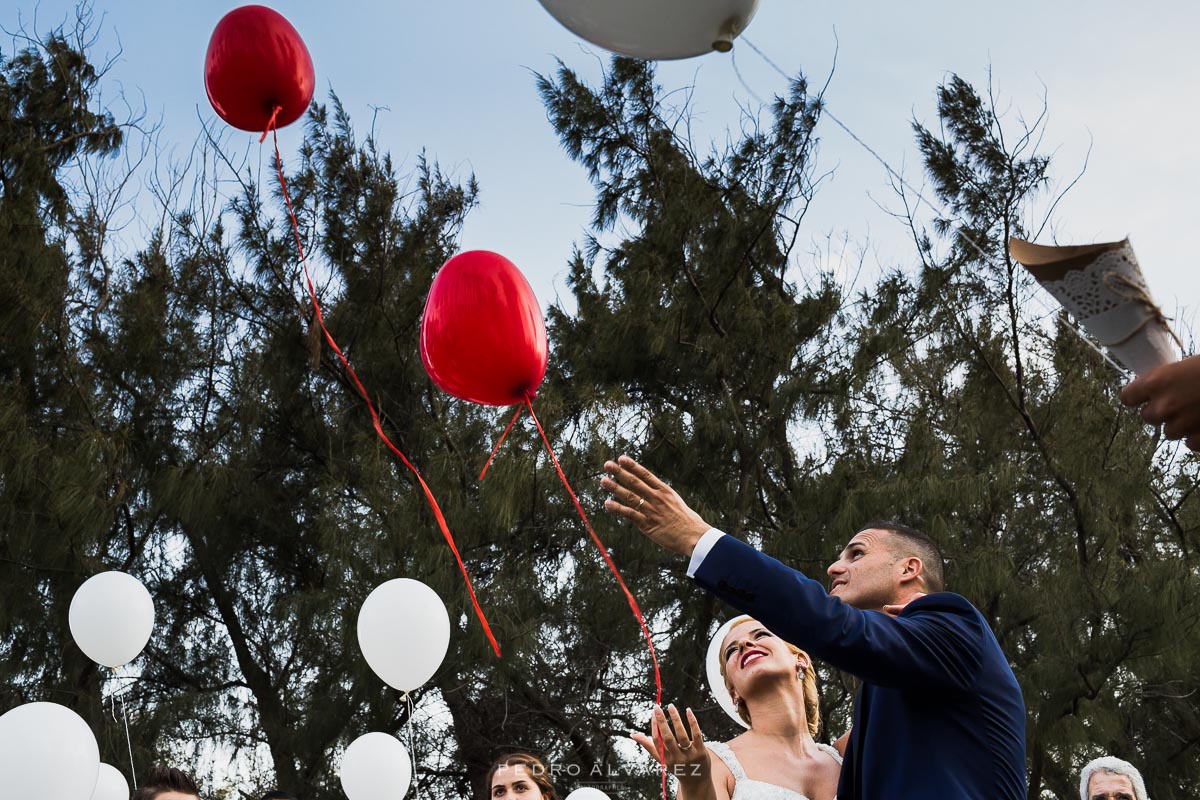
655, 508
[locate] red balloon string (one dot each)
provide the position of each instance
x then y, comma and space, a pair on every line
637, 612
437, 511
271, 127
496, 449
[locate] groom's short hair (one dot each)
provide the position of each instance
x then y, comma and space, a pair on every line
919, 544
166, 779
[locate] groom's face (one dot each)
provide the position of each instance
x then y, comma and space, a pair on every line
864, 574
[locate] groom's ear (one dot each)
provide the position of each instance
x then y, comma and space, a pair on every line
911, 569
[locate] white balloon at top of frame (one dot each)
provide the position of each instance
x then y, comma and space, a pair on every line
656, 29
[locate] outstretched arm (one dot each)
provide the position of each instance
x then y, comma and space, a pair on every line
937, 643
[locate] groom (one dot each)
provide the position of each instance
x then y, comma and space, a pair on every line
939, 714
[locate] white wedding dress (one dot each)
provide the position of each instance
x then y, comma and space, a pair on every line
746, 789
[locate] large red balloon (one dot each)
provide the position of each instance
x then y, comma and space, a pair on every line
257, 62
482, 335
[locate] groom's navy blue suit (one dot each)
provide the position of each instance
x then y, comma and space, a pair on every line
939, 715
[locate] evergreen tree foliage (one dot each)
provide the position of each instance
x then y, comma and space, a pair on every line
60, 472
1064, 520
174, 413
693, 346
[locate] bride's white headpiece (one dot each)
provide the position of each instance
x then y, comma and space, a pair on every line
712, 667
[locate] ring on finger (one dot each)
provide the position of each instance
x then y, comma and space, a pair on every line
641, 503
687, 746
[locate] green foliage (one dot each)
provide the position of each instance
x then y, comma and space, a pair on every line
58, 486
1064, 520
176, 414
691, 348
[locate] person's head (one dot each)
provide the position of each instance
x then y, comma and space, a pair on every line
167, 783
278, 794
519, 776
884, 563
752, 657
1111, 778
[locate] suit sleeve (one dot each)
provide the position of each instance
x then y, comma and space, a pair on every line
937, 643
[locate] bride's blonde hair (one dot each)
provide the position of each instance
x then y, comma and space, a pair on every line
812, 705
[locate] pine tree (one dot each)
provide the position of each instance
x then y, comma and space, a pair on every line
177, 415
696, 347
1065, 521
60, 473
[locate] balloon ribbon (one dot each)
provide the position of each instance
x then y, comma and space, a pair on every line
637, 612
503, 436
312, 292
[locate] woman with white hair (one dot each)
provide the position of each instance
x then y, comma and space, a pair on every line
769, 687
1111, 778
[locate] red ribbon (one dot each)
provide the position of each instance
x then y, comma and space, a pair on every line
270, 128
312, 292
637, 612
503, 436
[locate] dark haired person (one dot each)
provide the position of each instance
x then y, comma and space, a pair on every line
167, 783
519, 776
278, 794
939, 713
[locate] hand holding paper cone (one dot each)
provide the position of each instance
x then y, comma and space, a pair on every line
1102, 287
1171, 395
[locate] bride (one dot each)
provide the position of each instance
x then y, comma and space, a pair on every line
771, 688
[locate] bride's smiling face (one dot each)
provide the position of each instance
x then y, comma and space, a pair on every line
749, 651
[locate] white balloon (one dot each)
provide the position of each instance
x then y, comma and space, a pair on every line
375, 767
47, 752
587, 793
110, 784
111, 618
404, 631
656, 29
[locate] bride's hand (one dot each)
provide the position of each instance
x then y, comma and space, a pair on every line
684, 752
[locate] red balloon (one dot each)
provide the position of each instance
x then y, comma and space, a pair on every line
482, 334
257, 62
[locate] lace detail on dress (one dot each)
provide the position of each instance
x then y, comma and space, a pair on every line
747, 789
725, 753
831, 750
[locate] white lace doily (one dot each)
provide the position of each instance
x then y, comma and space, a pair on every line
1090, 291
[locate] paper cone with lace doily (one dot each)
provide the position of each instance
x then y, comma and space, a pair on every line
1102, 287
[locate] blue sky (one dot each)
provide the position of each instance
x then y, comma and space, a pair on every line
455, 76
